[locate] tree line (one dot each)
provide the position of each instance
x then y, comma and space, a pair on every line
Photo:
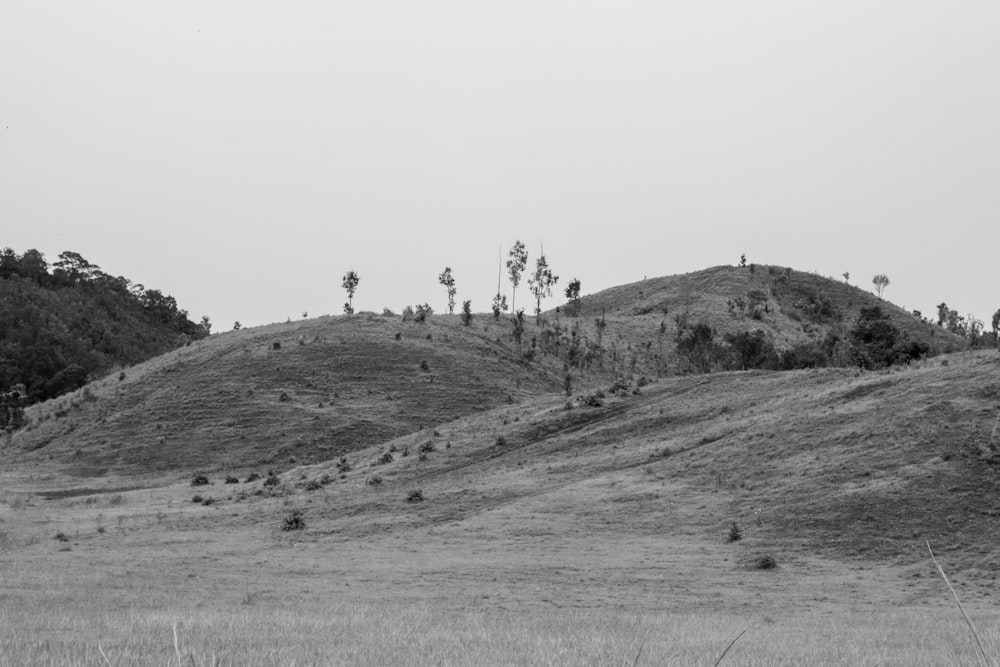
64, 323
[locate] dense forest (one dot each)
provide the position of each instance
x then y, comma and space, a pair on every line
63, 324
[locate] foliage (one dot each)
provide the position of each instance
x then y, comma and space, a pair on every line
573, 297
12, 408
735, 534
697, 347
467, 312
515, 267
517, 319
350, 283
499, 305
448, 280
294, 520
422, 312
881, 281
59, 329
415, 496
754, 349
541, 282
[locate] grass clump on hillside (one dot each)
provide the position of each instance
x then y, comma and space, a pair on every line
294, 521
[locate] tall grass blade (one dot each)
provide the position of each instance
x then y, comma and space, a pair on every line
735, 639
639, 653
103, 654
981, 655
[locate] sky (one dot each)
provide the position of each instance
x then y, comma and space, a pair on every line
243, 155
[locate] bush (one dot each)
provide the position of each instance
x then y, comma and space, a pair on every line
314, 485
272, 479
385, 458
424, 366
501, 441
199, 480
232, 480
374, 480
208, 501
253, 477
735, 534
343, 465
197, 498
467, 313
415, 496
426, 447
294, 521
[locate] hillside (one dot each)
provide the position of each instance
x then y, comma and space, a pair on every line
285, 393
61, 327
317, 389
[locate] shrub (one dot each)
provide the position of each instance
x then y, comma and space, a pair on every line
343, 465
593, 400
199, 480
208, 501
385, 458
197, 498
426, 447
314, 485
294, 521
272, 479
735, 534
232, 480
501, 441
764, 562
374, 480
424, 366
62, 537
415, 496
467, 313
253, 477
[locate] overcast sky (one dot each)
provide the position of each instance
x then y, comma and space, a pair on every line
243, 155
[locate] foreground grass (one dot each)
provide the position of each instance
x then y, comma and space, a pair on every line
386, 634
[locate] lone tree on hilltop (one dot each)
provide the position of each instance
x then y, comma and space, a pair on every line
881, 281
573, 296
350, 283
448, 281
541, 282
515, 267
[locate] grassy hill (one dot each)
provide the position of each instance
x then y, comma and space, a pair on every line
281, 394
438, 496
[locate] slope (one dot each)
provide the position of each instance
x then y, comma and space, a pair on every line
280, 394
835, 463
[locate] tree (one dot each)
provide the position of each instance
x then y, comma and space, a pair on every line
72, 268
515, 267
743, 260
873, 339
541, 283
206, 324
573, 296
881, 281
500, 300
467, 312
34, 266
448, 281
847, 276
350, 283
